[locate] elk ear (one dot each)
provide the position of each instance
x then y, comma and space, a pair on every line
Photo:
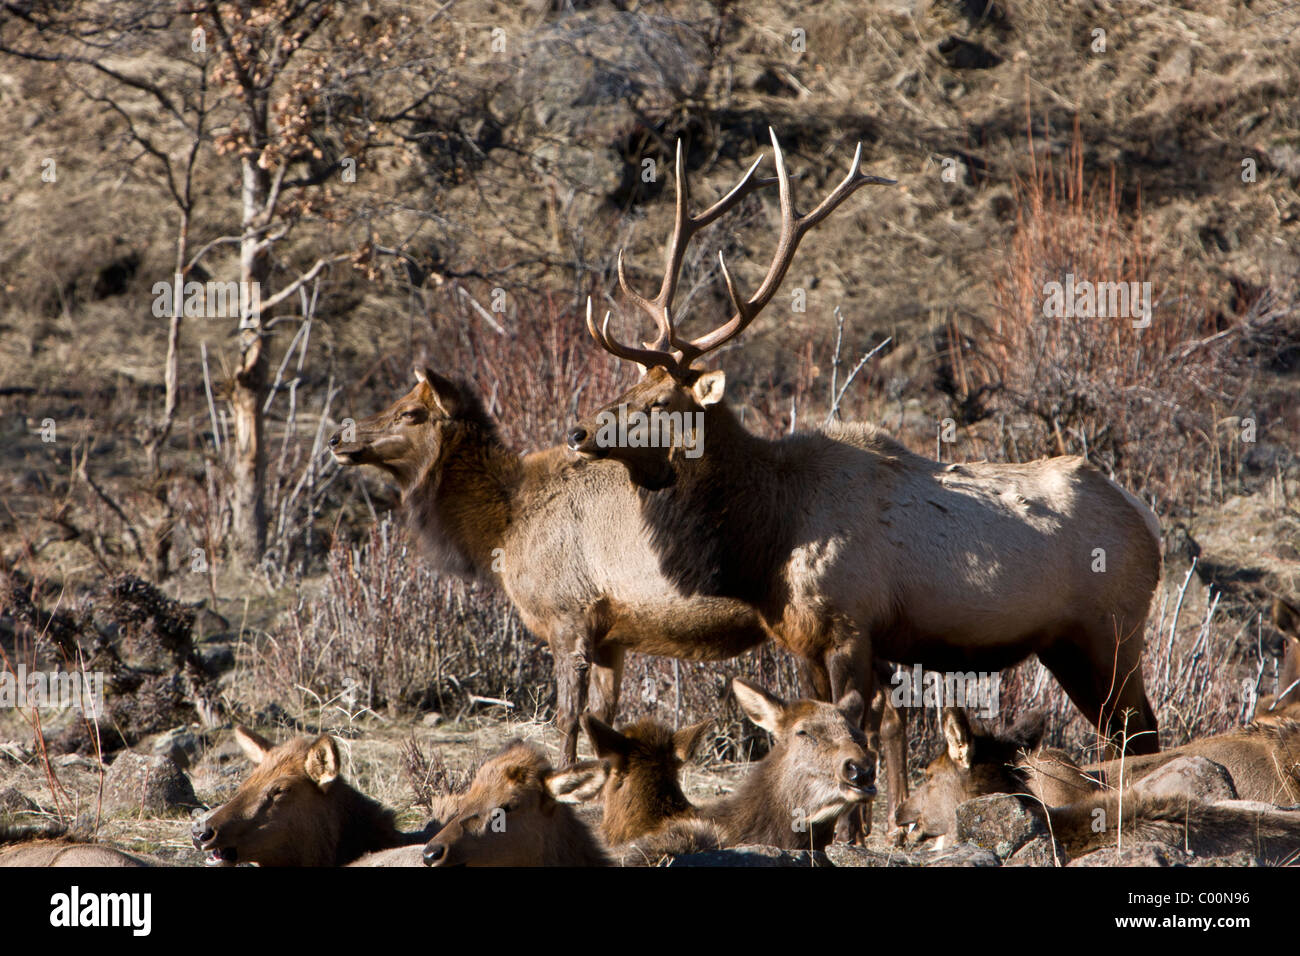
709, 386
579, 783
608, 742
759, 706
322, 763
443, 391
688, 738
956, 731
851, 706
1027, 732
255, 747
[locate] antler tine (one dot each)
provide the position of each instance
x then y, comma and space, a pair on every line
646, 357
684, 228
793, 228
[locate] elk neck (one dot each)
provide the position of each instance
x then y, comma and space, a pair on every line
462, 502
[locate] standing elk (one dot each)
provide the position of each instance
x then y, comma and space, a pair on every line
855, 550
565, 542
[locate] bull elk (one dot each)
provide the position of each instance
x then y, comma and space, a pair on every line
856, 551
295, 809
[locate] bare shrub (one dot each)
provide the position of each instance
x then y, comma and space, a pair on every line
388, 633
1142, 403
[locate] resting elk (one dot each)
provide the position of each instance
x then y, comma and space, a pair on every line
854, 550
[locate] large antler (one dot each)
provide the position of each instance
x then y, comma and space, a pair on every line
668, 350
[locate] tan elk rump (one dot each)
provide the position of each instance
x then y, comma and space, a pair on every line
854, 550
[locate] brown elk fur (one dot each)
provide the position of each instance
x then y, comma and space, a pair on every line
516, 813
855, 549
1263, 759
1286, 618
51, 853
817, 770
642, 791
566, 543
975, 764
295, 810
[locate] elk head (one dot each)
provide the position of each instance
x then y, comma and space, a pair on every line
670, 384
642, 789
279, 814
974, 764
514, 814
406, 437
820, 764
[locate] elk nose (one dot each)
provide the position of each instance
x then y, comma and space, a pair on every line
434, 853
577, 437
201, 832
858, 775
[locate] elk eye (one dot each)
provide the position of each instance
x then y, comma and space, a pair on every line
802, 733
413, 415
659, 403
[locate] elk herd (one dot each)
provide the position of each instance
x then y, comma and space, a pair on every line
839, 544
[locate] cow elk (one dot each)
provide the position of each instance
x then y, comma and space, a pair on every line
856, 551
566, 543
975, 764
1263, 759
295, 809
517, 813
61, 853
817, 770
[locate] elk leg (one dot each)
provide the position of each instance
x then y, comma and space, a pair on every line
1103, 685
814, 681
848, 667
893, 742
606, 678
572, 664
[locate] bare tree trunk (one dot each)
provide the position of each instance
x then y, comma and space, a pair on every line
249, 391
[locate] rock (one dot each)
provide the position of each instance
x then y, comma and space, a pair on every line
964, 854
182, 744
1138, 854
999, 822
1190, 777
13, 800
753, 856
1240, 858
136, 783
217, 658
1040, 851
844, 854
